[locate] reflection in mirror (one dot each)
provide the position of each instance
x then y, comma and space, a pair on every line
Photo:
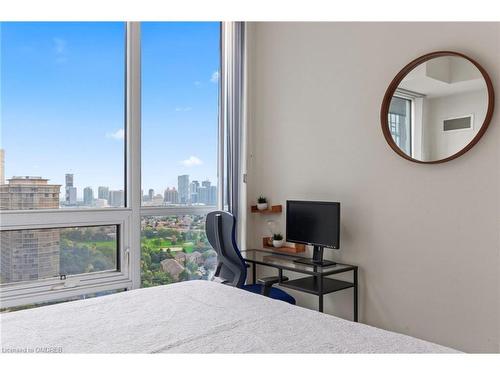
438, 108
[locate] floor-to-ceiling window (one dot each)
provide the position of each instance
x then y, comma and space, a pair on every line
180, 87
74, 150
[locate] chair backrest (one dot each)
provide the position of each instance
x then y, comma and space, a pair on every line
221, 229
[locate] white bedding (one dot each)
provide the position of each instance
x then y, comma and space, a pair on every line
194, 317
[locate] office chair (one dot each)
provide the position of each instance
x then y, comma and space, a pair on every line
231, 268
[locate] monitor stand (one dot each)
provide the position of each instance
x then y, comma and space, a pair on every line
317, 259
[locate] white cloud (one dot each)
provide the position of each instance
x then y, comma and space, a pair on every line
183, 109
215, 77
192, 161
197, 83
119, 134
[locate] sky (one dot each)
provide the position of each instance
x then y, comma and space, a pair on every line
62, 101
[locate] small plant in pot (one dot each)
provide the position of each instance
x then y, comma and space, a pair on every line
278, 240
262, 203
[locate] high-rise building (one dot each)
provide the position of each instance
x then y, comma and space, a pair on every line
151, 194
193, 191
207, 194
212, 196
69, 180
70, 190
2, 167
88, 196
183, 188
71, 196
27, 193
203, 195
171, 196
29, 254
103, 192
116, 198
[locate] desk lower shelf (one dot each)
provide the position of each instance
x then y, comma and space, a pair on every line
310, 285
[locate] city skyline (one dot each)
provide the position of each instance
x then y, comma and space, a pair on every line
89, 195
70, 76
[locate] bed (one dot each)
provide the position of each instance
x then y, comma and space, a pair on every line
194, 317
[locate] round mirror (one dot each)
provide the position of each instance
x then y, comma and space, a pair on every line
437, 107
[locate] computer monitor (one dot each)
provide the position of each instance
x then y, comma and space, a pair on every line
314, 223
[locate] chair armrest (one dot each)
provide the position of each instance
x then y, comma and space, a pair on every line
269, 281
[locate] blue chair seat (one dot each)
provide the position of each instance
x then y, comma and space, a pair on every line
275, 293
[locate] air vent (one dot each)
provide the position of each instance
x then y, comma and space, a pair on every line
458, 123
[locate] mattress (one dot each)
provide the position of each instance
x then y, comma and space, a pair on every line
194, 317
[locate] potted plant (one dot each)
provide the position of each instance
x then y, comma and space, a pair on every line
278, 240
262, 203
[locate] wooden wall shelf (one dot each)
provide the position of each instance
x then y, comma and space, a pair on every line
276, 209
293, 249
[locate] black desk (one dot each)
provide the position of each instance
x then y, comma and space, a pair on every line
315, 283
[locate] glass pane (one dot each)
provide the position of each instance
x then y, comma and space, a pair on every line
175, 248
400, 123
36, 254
62, 114
180, 82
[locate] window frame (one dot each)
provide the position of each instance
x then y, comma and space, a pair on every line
127, 218
28, 292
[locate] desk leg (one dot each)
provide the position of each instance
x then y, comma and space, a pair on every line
254, 274
355, 296
320, 290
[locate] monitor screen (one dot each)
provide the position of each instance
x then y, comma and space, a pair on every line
313, 223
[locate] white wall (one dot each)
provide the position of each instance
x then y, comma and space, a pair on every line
426, 237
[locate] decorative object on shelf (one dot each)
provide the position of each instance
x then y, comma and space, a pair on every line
262, 203
267, 243
278, 240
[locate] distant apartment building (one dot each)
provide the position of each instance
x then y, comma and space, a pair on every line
27, 193
88, 196
70, 190
183, 188
100, 203
103, 192
157, 200
29, 254
171, 196
2, 167
193, 191
116, 198
207, 194
151, 194
212, 196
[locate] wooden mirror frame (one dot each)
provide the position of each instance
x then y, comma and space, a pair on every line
397, 80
